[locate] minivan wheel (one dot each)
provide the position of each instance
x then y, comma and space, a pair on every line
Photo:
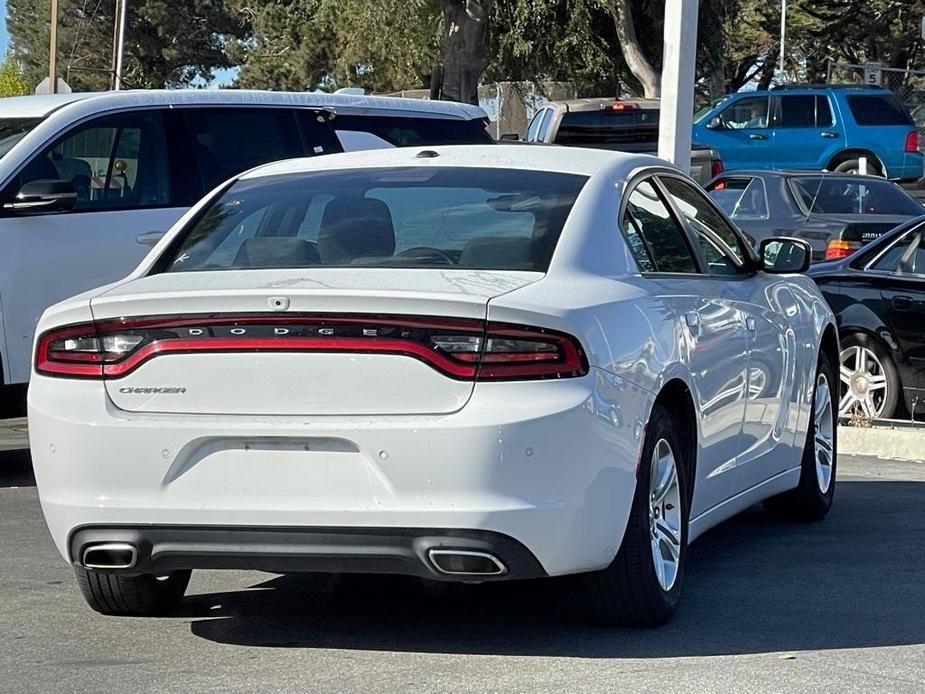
642, 586
135, 596
812, 498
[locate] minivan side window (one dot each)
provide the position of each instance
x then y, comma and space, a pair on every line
114, 162
227, 141
653, 235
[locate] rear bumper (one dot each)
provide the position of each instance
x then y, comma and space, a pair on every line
330, 550
549, 464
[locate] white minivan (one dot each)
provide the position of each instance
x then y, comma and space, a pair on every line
90, 181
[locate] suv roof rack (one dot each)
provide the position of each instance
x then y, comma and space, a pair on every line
784, 87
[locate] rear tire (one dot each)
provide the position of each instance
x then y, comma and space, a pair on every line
635, 590
862, 355
134, 596
852, 165
812, 498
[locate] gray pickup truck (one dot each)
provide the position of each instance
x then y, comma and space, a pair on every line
626, 125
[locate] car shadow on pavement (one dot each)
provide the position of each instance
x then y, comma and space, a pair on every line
16, 469
753, 585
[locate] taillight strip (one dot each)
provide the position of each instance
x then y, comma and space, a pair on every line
295, 344
567, 361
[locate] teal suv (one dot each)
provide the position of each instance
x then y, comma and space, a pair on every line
813, 127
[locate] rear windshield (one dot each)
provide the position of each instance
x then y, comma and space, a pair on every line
408, 217
823, 195
12, 130
609, 126
878, 109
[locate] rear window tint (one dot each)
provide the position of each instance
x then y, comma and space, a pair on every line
878, 109
408, 217
842, 195
609, 126
411, 132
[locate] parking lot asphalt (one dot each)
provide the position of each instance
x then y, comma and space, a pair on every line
833, 606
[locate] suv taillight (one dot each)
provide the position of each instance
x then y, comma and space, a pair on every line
912, 141
460, 349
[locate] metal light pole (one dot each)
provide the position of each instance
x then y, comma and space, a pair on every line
119, 44
53, 51
677, 102
783, 35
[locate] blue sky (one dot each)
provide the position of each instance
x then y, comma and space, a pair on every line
4, 37
222, 77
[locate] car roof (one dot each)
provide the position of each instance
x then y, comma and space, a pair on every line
814, 89
573, 160
41, 105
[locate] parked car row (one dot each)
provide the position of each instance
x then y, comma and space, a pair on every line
604, 363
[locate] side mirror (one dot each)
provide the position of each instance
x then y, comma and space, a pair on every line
784, 255
44, 195
715, 123
510, 137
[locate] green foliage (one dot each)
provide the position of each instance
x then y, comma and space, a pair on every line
167, 43
12, 82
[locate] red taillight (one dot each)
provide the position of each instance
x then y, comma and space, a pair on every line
460, 349
619, 106
838, 248
716, 168
912, 141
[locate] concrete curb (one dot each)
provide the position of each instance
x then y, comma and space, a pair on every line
883, 441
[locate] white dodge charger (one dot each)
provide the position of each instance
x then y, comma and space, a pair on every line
460, 363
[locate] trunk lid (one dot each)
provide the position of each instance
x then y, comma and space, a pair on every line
295, 342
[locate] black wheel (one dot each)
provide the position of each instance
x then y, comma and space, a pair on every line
853, 166
812, 498
136, 596
642, 586
868, 381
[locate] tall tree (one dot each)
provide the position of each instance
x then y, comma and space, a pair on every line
167, 44
12, 82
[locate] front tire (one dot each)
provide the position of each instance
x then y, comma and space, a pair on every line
132, 596
812, 498
869, 381
642, 586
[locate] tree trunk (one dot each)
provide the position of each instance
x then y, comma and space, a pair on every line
465, 48
621, 11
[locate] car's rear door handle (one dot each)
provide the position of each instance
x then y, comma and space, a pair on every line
829, 134
750, 324
692, 318
902, 303
758, 136
149, 238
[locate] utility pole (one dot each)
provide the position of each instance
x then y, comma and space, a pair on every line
53, 51
783, 36
677, 101
119, 41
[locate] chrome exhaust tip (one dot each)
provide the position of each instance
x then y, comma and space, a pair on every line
109, 555
459, 562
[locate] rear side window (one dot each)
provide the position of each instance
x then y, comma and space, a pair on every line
653, 235
414, 132
227, 141
804, 111
878, 109
741, 198
609, 126
849, 195
718, 242
407, 217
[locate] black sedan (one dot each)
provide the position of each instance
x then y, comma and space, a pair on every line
835, 213
878, 296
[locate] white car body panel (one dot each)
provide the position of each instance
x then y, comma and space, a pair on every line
48, 257
551, 464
